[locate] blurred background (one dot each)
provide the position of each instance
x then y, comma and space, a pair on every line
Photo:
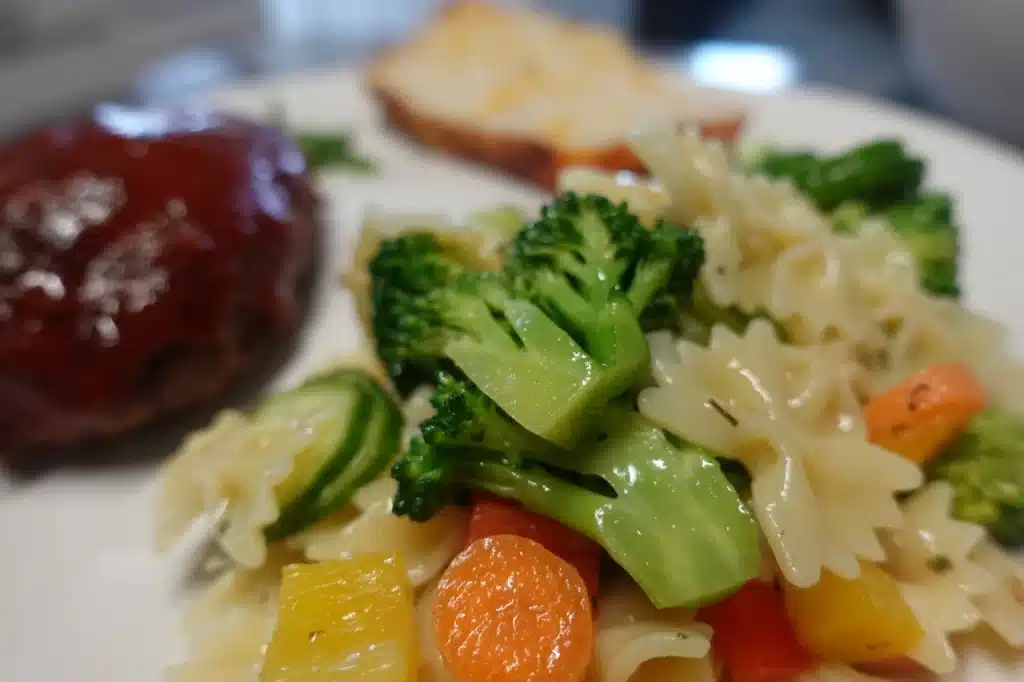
57, 57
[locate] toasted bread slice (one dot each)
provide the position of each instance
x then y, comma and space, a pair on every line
531, 95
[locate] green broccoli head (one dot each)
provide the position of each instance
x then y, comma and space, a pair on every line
554, 337
586, 239
925, 227
682, 253
505, 345
877, 174
586, 251
407, 274
985, 466
643, 499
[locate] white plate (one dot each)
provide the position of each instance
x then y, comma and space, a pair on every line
82, 597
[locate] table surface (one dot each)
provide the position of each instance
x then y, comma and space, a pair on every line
58, 57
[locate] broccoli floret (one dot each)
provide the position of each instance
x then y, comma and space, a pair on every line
465, 417
877, 174
502, 343
405, 270
925, 227
666, 514
985, 466
554, 338
586, 258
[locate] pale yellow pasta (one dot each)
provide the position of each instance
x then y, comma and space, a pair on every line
427, 548
932, 558
632, 635
1002, 607
240, 461
770, 250
233, 619
820, 491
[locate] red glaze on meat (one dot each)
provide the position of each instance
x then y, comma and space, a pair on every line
145, 256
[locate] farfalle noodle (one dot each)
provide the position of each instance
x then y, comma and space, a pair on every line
820, 491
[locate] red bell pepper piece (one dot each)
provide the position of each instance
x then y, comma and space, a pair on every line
753, 636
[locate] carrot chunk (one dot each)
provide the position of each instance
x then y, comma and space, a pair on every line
494, 516
508, 610
922, 414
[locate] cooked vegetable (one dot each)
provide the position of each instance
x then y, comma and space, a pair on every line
351, 619
923, 413
753, 637
853, 621
493, 516
555, 339
666, 514
925, 227
478, 245
505, 606
985, 466
329, 150
876, 174
358, 429
879, 179
586, 252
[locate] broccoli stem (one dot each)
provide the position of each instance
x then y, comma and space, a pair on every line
551, 385
674, 522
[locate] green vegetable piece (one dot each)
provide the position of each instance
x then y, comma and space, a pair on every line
926, 229
553, 338
358, 430
985, 466
321, 149
666, 514
330, 150
876, 174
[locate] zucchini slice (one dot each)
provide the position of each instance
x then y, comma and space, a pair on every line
359, 430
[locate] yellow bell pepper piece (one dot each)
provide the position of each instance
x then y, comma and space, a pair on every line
853, 621
344, 621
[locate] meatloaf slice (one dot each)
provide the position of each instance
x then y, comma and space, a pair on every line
148, 257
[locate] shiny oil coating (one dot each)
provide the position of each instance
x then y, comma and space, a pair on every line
130, 234
526, 617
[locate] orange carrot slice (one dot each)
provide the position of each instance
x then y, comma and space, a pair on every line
494, 516
508, 610
920, 415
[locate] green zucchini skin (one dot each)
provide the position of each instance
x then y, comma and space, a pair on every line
364, 447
